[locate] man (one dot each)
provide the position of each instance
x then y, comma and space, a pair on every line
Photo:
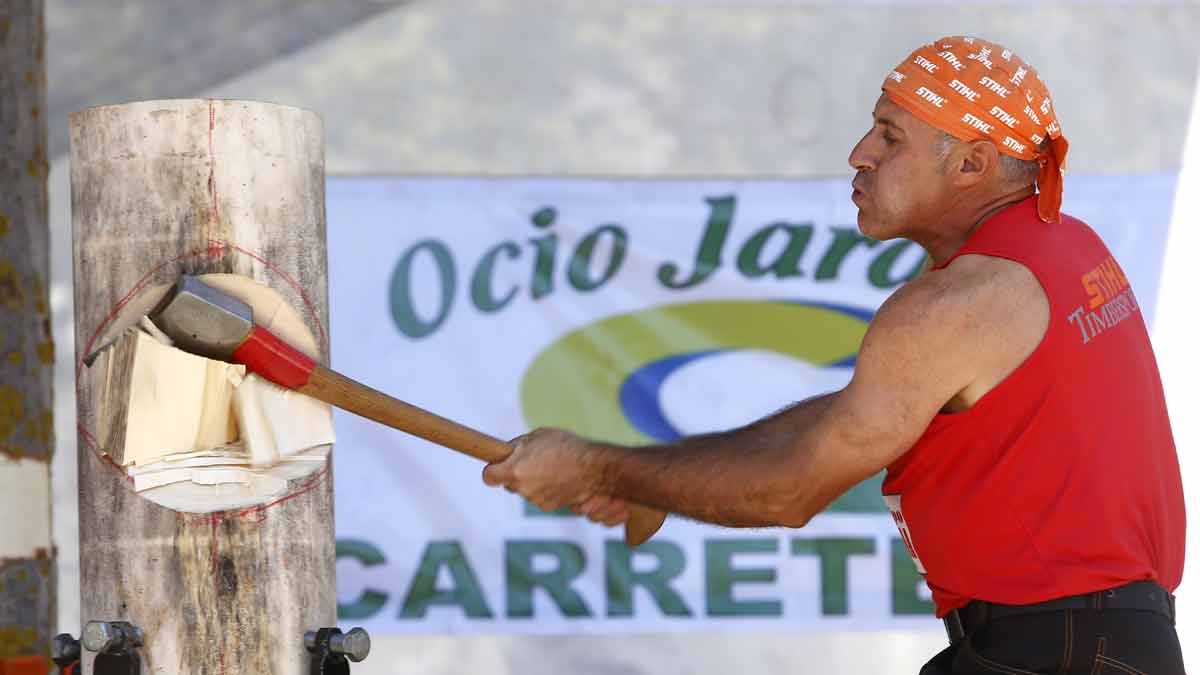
1010, 393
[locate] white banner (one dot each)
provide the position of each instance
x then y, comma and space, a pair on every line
632, 311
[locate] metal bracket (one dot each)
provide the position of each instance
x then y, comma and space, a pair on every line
330, 648
64, 652
115, 644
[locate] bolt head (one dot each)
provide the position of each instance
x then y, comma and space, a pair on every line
356, 644
100, 636
137, 638
310, 640
64, 647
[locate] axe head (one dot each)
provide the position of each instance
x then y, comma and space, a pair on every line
202, 320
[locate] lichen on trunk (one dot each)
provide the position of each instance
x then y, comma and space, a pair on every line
27, 580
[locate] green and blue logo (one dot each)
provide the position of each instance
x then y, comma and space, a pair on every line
605, 380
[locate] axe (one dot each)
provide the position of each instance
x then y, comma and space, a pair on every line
203, 320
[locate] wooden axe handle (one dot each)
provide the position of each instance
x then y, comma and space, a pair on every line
347, 394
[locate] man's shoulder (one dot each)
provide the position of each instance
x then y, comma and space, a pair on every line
974, 273
973, 294
970, 279
967, 325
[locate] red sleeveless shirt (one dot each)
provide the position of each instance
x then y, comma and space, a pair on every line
1063, 479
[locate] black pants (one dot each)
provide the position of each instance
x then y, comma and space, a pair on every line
1085, 641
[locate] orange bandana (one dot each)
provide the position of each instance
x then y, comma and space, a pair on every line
974, 89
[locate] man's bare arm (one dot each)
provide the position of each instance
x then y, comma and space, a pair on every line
707, 462
933, 341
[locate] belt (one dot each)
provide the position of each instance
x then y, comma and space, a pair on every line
1140, 595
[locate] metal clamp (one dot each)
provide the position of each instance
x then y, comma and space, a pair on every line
115, 644
330, 648
64, 652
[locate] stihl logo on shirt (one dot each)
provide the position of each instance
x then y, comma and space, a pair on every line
1110, 300
893, 504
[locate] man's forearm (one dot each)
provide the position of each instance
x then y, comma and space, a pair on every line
746, 477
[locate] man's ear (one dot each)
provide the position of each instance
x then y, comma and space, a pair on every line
978, 160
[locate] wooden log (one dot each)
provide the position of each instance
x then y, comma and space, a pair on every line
27, 578
158, 189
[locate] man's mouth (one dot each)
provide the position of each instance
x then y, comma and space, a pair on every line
858, 190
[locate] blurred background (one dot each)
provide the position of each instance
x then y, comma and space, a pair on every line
777, 89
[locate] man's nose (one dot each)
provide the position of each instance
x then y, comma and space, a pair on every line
860, 159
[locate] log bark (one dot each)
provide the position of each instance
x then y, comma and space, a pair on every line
27, 578
161, 188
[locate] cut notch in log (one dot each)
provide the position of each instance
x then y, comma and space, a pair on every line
182, 425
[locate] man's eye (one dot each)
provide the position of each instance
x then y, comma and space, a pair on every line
889, 139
